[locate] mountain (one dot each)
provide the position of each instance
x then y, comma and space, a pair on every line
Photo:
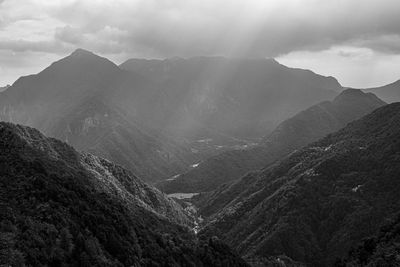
64, 208
180, 111
389, 93
4, 88
95, 127
318, 202
73, 100
303, 128
243, 98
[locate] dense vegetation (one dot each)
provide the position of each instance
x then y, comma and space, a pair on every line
382, 249
317, 203
303, 128
62, 208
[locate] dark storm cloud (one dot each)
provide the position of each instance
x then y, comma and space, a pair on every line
267, 28
255, 27
164, 28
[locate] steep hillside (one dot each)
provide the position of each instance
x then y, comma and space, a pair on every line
320, 201
389, 93
63, 208
381, 249
294, 133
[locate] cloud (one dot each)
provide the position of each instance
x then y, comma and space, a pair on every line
164, 28
389, 44
357, 67
16, 64
35, 46
191, 27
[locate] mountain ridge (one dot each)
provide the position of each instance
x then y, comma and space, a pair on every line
389, 92
80, 86
180, 104
306, 126
318, 202
61, 207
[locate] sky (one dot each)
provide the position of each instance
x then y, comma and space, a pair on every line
356, 41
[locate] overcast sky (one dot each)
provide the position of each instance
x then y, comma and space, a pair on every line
357, 41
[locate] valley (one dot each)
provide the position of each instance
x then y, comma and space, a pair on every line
202, 161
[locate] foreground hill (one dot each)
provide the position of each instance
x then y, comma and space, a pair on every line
63, 208
381, 249
320, 201
303, 128
389, 93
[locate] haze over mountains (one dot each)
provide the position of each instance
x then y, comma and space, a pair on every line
303, 128
167, 106
239, 97
389, 93
284, 166
72, 100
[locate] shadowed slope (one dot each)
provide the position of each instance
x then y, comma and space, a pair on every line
60, 207
321, 200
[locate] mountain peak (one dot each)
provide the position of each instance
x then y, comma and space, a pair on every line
356, 95
80, 61
82, 52
81, 56
351, 91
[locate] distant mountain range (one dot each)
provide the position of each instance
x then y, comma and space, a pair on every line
389, 93
303, 128
243, 98
61, 207
152, 116
317, 203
